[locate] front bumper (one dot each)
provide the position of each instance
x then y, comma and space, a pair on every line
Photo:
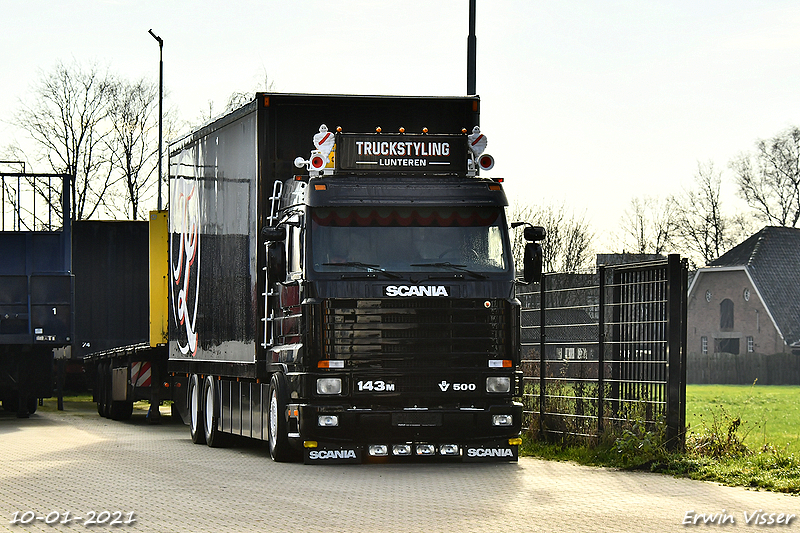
465, 433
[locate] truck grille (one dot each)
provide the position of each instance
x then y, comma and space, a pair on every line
415, 332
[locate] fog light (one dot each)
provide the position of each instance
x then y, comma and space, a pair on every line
401, 449
448, 449
329, 386
378, 450
502, 420
327, 421
426, 449
498, 384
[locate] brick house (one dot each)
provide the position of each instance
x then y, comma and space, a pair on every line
748, 300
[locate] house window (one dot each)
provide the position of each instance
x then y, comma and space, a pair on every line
726, 315
726, 346
751, 345
704, 345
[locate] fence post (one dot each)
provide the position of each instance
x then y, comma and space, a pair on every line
675, 384
684, 268
601, 355
542, 360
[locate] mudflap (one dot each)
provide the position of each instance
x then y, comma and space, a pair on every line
333, 455
490, 451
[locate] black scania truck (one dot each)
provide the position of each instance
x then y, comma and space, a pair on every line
345, 292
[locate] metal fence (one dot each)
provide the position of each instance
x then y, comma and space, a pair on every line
31, 202
600, 350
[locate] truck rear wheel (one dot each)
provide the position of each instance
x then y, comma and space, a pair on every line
196, 429
214, 437
279, 447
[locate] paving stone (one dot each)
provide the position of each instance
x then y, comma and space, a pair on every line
75, 461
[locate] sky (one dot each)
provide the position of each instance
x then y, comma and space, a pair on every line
584, 103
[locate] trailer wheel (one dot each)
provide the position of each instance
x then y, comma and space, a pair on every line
102, 390
279, 447
121, 410
33, 404
195, 414
214, 437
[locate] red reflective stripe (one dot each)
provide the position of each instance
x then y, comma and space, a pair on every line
478, 139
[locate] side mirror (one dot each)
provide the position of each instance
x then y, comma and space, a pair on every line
532, 261
273, 234
534, 233
276, 261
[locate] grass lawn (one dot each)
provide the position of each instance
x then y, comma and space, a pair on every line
770, 414
770, 428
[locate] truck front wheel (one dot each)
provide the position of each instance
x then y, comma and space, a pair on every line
194, 393
279, 448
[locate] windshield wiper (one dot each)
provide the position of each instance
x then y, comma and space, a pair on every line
368, 267
448, 264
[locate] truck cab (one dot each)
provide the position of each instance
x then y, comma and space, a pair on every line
391, 321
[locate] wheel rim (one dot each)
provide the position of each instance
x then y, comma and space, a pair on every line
194, 401
209, 407
273, 419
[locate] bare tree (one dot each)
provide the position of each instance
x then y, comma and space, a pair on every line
133, 143
769, 180
648, 226
568, 243
239, 98
699, 222
67, 120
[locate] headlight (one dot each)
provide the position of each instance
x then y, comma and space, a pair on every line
328, 421
329, 386
401, 449
502, 420
498, 384
448, 449
378, 450
426, 449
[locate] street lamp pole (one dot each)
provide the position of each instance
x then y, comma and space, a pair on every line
472, 51
160, 104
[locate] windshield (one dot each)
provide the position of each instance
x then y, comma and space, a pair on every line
397, 239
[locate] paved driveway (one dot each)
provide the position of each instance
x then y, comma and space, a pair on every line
75, 461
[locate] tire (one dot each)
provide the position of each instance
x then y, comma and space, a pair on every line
107, 389
214, 437
102, 391
279, 448
121, 410
194, 393
33, 403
